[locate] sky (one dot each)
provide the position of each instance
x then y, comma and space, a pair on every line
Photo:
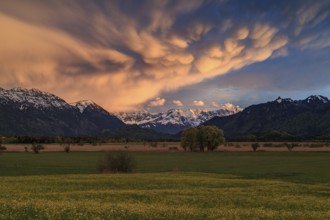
128, 55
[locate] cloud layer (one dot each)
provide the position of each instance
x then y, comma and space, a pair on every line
123, 53
157, 102
198, 103
177, 103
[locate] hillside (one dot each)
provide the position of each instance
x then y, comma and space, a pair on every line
36, 113
279, 119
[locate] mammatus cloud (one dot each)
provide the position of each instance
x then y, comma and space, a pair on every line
228, 106
231, 107
215, 105
157, 102
198, 103
177, 103
122, 54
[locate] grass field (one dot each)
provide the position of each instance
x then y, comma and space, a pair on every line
178, 185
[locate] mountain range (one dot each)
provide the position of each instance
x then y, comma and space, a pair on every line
174, 120
279, 119
31, 112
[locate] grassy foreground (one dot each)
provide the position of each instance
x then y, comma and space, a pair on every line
231, 185
160, 196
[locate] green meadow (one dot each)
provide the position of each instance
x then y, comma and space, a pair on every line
167, 185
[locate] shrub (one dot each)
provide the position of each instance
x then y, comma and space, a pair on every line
36, 148
117, 162
290, 146
2, 148
153, 144
67, 148
255, 146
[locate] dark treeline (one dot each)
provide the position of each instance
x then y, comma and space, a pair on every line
68, 140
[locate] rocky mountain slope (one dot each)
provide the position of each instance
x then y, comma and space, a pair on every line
174, 120
33, 112
281, 118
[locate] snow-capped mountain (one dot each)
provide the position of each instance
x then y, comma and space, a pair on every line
88, 105
174, 120
313, 99
31, 98
33, 112
93, 112
281, 118
317, 99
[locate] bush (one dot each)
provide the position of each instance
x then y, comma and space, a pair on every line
255, 146
153, 144
290, 147
36, 148
67, 148
117, 162
2, 148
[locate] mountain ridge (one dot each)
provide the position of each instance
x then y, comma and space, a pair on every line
33, 112
296, 119
173, 120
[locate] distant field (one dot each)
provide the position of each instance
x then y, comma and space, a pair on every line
169, 146
167, 185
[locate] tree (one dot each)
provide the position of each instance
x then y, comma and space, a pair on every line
2, 148
255, 146
189, 139
290, 146
209, 137
67, 148
36, 148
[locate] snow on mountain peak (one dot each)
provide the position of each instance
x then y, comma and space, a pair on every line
317, 98
83, 104
280, 100
180, 117
26, 98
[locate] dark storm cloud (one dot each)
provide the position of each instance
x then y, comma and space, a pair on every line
139, 49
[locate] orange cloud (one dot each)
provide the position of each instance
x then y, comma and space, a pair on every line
177, 103
157, 102
198, 103
123, 57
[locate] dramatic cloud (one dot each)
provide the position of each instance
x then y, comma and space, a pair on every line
123, 53
177, 103
231, 107
198, 103
157, 102
215, 105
